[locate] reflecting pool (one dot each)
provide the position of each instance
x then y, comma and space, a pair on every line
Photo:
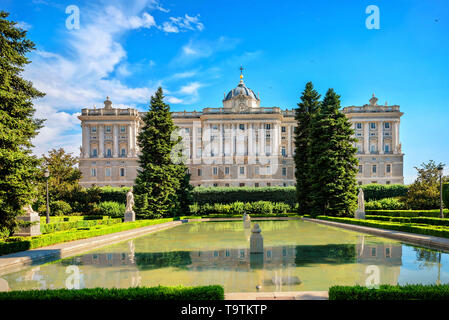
298, 256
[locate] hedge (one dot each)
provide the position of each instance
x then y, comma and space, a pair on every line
238, 208
446, 194
380, 191
437, 231
407, 213
416, 220
111, 208
15, 244
390, 292
385, 204
61, 226
212, 292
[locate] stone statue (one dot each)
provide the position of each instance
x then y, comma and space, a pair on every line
129, 200
130, 215
31, 216
360, 213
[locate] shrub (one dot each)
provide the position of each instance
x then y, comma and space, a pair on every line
416, 220
213, 292
111, 209
59, 208
385, 204
390, 292
406, 213
238, 208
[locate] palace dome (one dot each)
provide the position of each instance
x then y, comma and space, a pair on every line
241, 89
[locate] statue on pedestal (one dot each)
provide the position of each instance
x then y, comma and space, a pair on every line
360, 213
32, 219
130, 215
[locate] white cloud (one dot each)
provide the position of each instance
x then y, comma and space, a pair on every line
174, 100
191, 88
24, 25
180, 24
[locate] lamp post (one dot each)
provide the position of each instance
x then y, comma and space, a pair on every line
440, 173
47, 174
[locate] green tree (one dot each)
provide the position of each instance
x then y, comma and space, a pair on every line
332, 161
158, 183
63, 179
18, 167
424, 193
303, 115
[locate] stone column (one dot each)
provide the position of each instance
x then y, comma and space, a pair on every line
289, 141
101, 139
220, 141
135, 133
115, 139
194, 129
85, 132
263, 139
250, 140
232, 140
380, 137
366, 137
130, 137
275, 146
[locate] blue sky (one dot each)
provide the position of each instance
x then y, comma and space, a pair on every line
193, 49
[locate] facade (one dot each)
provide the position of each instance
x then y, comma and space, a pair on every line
240, 144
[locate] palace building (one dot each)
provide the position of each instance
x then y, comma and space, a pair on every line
239, 144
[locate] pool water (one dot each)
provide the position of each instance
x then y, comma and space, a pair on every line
298, 256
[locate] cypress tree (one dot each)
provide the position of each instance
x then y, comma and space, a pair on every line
303, 115
18, 167
333, 165
159, 180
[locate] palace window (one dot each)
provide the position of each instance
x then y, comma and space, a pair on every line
256, 184
187, 130
94, 153
360, 168
387, 148
358, 125
215, 184
388, 168
226, 170
93, 129
256, 170
283, 129
93, 172
374, 168
123, 152
268, 184
122, 172
268, 170
109, 153
198, 151
284, 171
199, 172
284, 152
373, 125
241, 184
268, 126
108, 129
122, 129
242, 126
242, 170
107, 172
387, 125
215, 170
387, 253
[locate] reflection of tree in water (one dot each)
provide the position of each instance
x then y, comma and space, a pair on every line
426, 258
147, 261
329, 253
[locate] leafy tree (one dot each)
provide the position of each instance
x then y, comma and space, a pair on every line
159, 179
424, 193
303, 115
332, 163
18, 167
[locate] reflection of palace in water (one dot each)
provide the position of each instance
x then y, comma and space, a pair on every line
278, 268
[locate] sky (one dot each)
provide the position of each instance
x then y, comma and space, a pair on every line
126, 49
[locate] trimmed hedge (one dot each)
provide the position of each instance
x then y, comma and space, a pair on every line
407, 213
437, 231
238, 208
61, 226
416, 220
212, 292
15, 244
381, 191
227, 195
390, 292
111, 208
385, 204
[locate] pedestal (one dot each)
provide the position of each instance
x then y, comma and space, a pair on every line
32, 230
256, 240
130, 216
359, 215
